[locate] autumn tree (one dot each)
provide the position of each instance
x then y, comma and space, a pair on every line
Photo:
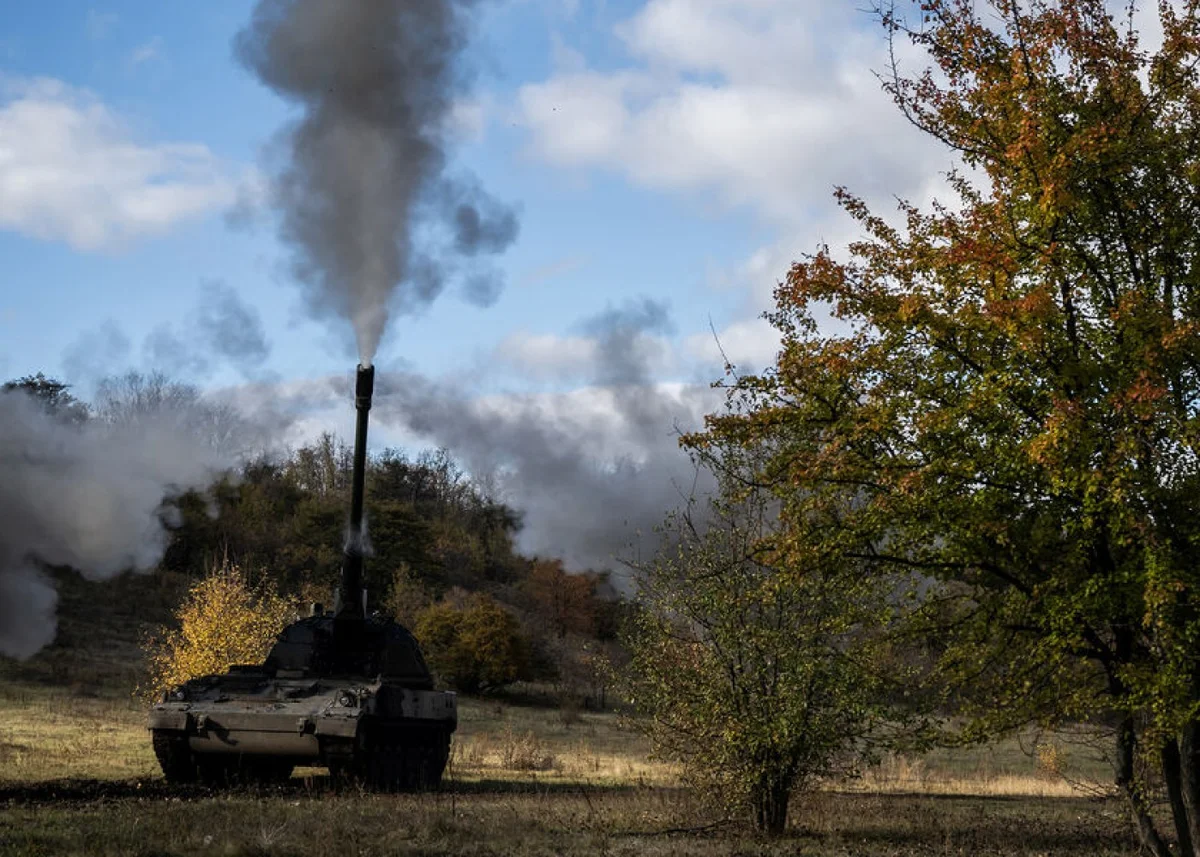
473, 643
1013, 390
224, 620
566, 602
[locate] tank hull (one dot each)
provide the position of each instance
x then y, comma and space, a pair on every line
255, 727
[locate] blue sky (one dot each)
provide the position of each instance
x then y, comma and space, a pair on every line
679, 150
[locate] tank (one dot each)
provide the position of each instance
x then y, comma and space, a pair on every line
340, 689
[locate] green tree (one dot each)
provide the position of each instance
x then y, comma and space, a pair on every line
752, 670
54, 395
475, 645
1015, 396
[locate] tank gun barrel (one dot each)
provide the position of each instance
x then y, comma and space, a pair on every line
350, 600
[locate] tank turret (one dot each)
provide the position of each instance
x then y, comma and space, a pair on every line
345, 689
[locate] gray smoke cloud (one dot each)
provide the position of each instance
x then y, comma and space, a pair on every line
366, 162
221, 328
89, 495
593, 471
232, 328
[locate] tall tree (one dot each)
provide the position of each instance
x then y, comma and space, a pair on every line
1015, 401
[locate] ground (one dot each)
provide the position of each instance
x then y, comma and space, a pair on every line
77, 776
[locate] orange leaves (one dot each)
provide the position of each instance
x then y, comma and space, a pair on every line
1141, 397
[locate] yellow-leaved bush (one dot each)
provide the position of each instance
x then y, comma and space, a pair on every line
223, 620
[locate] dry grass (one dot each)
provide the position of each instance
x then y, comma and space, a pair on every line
532, 822
48, 734
77, 777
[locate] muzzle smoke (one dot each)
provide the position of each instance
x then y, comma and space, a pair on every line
593, 471
89, 495
366, 166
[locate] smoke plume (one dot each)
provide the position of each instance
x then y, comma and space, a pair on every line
366, 165
89, 494
232, 328
593, 471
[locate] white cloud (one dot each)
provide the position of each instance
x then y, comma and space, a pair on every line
144, 53
761, 104
547, 356
749, 345
71, 171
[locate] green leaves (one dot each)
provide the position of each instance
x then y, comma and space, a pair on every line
754, 668
1012, 415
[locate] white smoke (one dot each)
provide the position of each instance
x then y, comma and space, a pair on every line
89, 495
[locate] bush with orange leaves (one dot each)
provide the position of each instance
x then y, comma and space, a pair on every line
224, 620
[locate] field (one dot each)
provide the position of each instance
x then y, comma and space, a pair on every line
77, 776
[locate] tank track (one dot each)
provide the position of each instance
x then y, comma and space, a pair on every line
395, 759
181, 766
175, 758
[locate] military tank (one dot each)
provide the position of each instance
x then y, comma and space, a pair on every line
341, 689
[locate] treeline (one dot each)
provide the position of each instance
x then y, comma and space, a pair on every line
443, 554
443, 561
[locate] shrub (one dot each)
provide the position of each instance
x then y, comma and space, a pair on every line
223, 620
473, 646
408, 597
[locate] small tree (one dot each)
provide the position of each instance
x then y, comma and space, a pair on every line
223, 620
474, 646
747, 666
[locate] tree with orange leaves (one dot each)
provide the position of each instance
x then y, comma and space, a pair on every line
1012, 411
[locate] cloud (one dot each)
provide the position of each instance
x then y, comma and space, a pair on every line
547, 356
763, 104
749, 345
71, 171
144, 53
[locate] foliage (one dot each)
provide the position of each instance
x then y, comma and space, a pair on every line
566, 601
224, 620
408, 597
749, 667
54, 395
1013, 393
475, 645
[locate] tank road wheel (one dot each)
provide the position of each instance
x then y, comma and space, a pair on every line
265, 770
216, 770
438, 755
175, 757
382, 767
405, 759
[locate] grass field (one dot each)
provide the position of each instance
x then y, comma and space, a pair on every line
77, 776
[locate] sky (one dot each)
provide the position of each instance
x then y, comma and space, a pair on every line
681, 150
666, 161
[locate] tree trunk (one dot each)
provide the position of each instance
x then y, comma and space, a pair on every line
770, 803
1173, 779
1189, 785
1126, 780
